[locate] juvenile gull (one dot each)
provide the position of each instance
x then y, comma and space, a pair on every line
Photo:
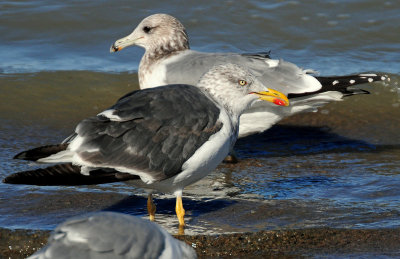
114, 236
166, 137
168, 60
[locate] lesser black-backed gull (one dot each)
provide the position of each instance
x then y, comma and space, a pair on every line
166, 137
112, 235
168, 60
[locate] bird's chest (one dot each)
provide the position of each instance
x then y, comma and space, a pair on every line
152, 75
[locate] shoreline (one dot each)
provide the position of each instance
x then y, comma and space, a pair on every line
273, 244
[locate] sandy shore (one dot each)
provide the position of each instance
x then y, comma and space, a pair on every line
271, 244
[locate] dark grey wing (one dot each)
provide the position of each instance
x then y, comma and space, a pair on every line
153, 131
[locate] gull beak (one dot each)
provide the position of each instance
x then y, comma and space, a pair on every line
124, 42
273, 96
115, 48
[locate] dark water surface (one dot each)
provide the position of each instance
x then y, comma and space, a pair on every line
337, 168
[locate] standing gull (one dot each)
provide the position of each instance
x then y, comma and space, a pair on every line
112, 235
168, 60
166, 137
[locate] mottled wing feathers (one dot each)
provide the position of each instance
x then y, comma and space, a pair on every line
276, 74
191, 66
154, 130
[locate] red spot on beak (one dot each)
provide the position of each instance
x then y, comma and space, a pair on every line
279, 102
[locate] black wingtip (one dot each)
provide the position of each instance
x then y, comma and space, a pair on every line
66, 175
22, 156
258, 55
344, 84
40, 152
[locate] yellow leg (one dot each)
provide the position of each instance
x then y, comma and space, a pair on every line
151, 207
181, 230
180, 211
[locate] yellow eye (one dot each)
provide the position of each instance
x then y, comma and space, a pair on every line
242, 82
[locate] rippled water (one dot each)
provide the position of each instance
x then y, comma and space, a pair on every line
338, 167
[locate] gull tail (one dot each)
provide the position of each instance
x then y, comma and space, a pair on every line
342, 84
41, 152
67, 174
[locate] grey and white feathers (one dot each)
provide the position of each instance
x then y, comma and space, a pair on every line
168, 60
112, 235
153, 133
166, 138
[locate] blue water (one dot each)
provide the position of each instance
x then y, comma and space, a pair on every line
332, 37
339, 166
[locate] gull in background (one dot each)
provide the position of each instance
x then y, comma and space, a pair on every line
169, 60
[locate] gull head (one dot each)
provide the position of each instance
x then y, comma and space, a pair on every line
237, 89
157, 32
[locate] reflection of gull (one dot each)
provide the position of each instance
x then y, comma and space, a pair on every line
169, 137
112, 235
168, 60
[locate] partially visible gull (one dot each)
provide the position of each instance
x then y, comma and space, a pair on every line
168, 60
166, 137
112, 235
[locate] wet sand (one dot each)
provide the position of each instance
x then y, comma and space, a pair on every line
272, 244
263, 229
237, 215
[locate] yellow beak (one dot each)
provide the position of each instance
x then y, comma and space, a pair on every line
273, 96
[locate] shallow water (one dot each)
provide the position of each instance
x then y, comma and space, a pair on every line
338, 167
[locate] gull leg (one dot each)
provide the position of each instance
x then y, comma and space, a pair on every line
181, 230
231, 158
180, 211
151, 207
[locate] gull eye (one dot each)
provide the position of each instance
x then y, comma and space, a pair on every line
146, 29
242, 82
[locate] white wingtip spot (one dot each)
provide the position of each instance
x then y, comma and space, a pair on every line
109, 114
367, 75
383, 78
272, 62
352, 81
370, 80
335, 82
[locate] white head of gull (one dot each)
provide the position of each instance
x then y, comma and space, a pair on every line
112, 235
162, 36
162, 138
168, 60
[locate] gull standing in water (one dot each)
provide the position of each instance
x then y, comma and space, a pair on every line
169, 60
162, 138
